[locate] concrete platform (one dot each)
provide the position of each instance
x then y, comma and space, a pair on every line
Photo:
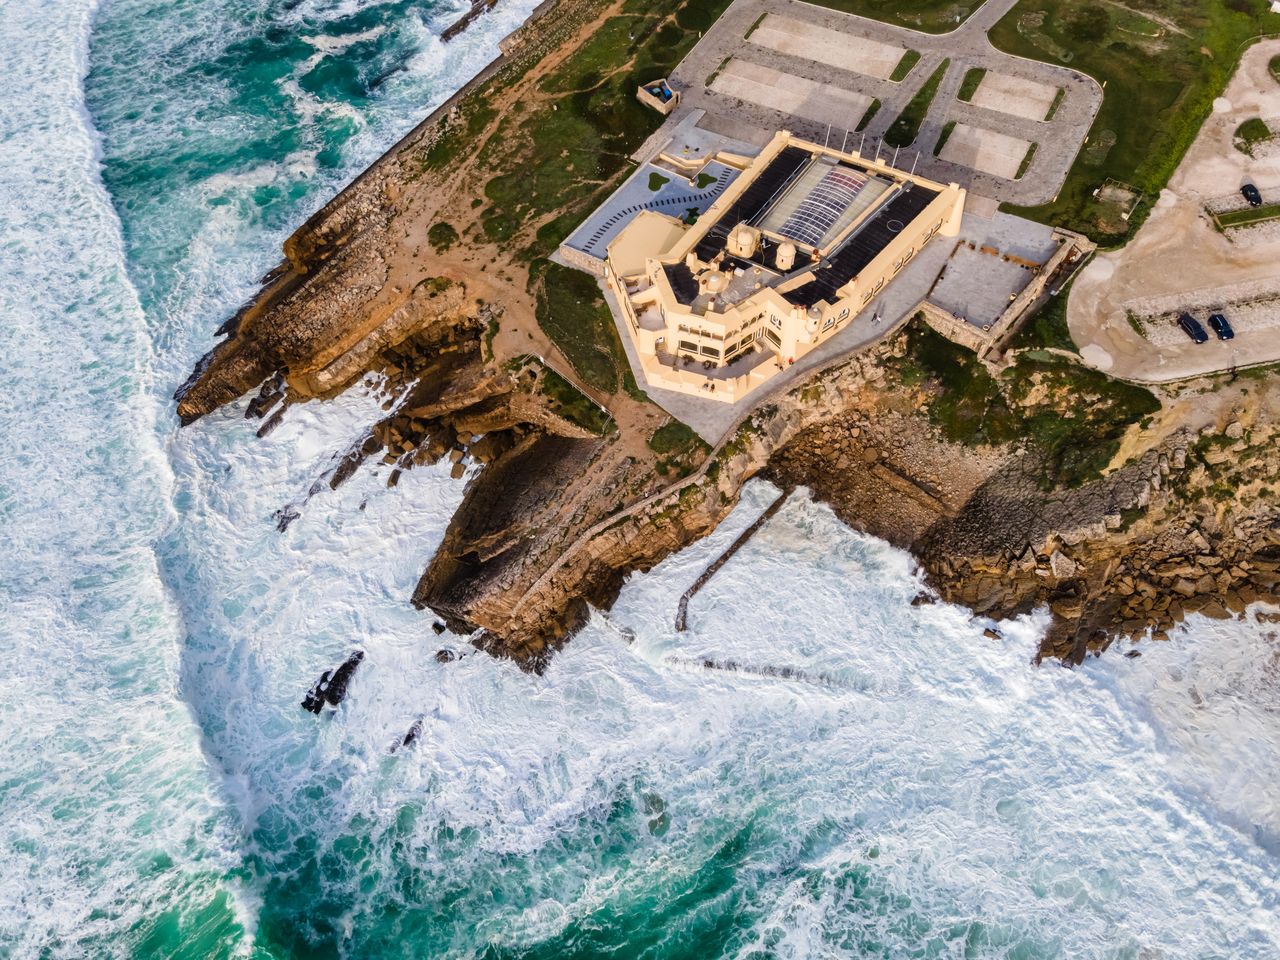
786, 93
835, 48
1017, 96
995, 153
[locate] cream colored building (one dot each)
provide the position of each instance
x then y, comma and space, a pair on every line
799, 244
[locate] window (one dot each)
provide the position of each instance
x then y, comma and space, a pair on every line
775, 321
843, 313
686, 345
831, 322
773, 338
711, 352
876, 288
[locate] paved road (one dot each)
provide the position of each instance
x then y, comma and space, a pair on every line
966, 47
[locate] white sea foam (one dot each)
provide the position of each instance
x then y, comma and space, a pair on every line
918, 787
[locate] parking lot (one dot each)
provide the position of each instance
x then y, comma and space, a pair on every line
1179, 261
783, 64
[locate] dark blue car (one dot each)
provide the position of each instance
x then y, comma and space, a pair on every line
1220, 326
1191, 327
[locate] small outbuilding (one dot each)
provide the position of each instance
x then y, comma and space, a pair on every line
658, 95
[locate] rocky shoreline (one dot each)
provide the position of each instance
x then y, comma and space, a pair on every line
1182, 519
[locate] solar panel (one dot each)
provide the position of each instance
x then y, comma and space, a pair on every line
780, 171
864, 246
683, 283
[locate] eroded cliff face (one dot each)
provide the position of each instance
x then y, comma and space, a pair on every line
567, 502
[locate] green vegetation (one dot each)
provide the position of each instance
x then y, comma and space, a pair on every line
568, 401
944, 137
931, 16
1251, 133
705, 180
1274, 67
442, 236
868, 116
572, 313
657, 181
1025, 165
1057, 102
1072, 417
904, 130
969, 86
905, 65
1249, 216
673, 436
1159, 89
1047, 327
556, 161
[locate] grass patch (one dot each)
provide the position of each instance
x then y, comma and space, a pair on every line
569, 402
969, 86
674, 436
905, 66
752, 29
1026, 161
1249, 216
1057, 102
1047, 327
555, 161
1274, 66
944, 137
441, 236
868, 116
1158, 93
930, 16
657, 181
1250, 134
904, 130
572, 312
1074, 420
705, 180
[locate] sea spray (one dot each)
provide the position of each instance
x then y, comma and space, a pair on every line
935, 795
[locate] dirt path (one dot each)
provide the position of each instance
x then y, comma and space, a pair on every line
1179, 261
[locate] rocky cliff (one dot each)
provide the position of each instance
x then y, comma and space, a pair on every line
1035, 484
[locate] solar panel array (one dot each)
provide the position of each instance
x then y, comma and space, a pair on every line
864, 246
780, 171
683, 283
818, 212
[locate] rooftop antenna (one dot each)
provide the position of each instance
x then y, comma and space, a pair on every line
914, 162
845, 142
828, 137
895, 158
862, 143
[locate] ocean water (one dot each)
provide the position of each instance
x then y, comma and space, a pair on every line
851, 777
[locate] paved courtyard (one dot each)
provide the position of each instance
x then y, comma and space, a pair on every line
1018, 96
990, 264
985, 150
784, 64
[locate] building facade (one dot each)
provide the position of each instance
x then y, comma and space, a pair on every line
802, 242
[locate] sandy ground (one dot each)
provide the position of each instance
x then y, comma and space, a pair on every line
1014, 95
771, 88
1179, 261
995, 153
835, 48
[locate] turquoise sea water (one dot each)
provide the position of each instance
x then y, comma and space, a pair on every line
914, 791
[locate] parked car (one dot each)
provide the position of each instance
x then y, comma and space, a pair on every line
1250, 193
1220, 326
1191, 327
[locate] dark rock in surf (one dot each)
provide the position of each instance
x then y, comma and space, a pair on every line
331, 688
